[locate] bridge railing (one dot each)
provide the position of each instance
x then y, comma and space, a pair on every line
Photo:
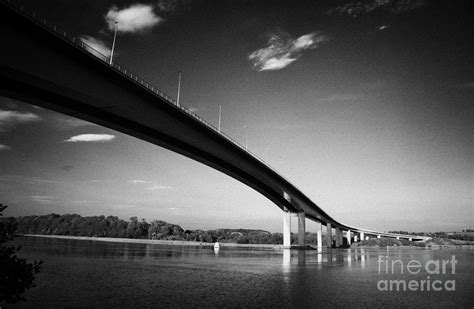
81, 44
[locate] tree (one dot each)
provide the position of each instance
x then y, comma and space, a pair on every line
16, 275
132, 228
143, 227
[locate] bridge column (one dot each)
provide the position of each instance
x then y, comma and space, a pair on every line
301, 228
329, 234
355, 237
286, 229
338, 237
348, 237
362, 236
378, 236
320, 237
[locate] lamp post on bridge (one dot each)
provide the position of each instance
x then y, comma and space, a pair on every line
246, 137
219, 123
179, 88
113, 43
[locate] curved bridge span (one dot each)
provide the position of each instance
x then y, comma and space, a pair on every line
48, 67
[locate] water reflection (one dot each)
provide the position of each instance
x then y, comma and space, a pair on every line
329, 256
286, 260
337, 257
340, 257
154, 275
286, 265
301, 257
349, 258
155, 252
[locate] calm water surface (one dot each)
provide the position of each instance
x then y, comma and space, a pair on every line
84, 273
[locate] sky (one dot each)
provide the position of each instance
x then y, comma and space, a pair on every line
365, 106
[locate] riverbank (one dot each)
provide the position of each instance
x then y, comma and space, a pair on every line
433, 243
159, 242
235, 245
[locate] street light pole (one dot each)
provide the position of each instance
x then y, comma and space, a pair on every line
113, 43
219, 125
179, 88
246, 137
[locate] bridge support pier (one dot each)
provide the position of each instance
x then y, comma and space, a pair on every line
378, 236
320, 237
301, 228
338, 237
362, 236
348, 237
286, 229
329, 234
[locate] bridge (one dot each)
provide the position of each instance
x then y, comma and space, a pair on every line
46, 66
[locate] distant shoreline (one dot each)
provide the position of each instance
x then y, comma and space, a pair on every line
158, 241
221, 244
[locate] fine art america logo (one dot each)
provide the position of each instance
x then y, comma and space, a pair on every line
414, 267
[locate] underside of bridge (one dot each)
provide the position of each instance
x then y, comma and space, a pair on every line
51, 69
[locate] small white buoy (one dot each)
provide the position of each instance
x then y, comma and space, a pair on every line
216, 248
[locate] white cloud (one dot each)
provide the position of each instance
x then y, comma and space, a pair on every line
304, 41
91, 138
282, 50
26, 179
43, 199
138, 181
159, 187
4, 147
10, 118
152, 186
96, 44
135, 18
276, 63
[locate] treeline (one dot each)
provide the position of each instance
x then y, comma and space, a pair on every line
97, 226
112, 226
464, 235
383, 242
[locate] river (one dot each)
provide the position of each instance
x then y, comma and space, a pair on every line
86, 273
